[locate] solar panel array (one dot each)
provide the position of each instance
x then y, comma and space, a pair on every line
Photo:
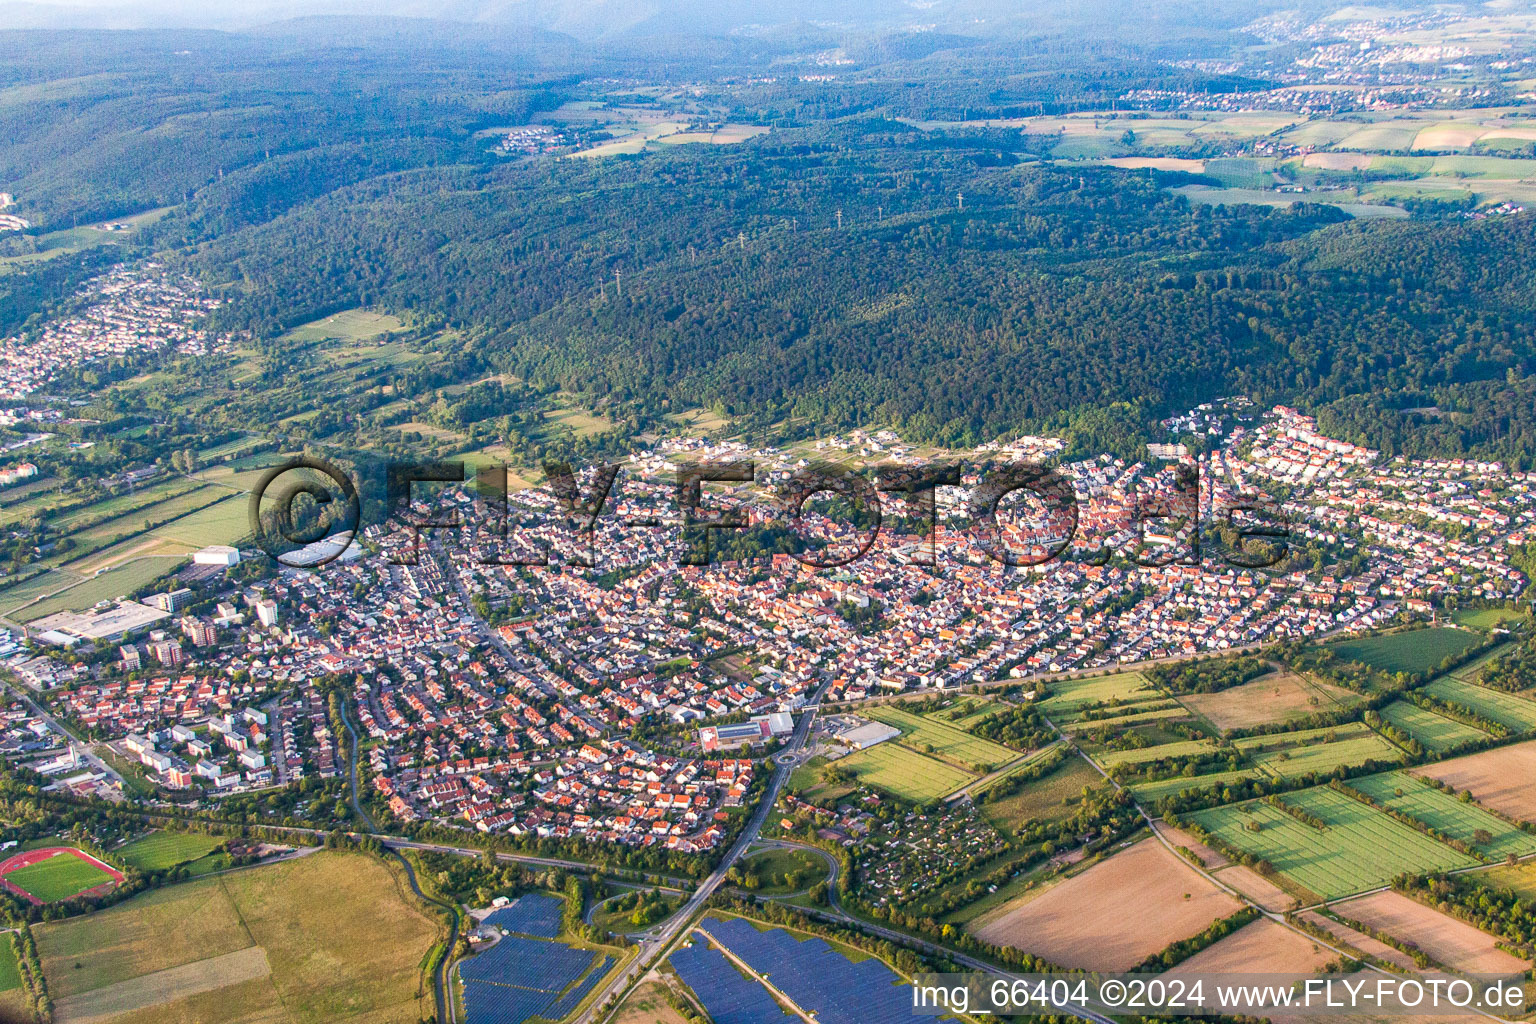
818, 978
519, 978
527, 963
728, 997
573, 998
534, 914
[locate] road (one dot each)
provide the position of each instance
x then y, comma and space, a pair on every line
654, 945
440, 990
80, 745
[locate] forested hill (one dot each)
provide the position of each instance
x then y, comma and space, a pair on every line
1048, 291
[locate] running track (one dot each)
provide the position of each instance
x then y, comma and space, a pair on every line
22, 860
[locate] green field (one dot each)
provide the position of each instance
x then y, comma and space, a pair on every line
1152, 792
58, 878
223, 523
942, 739
1446, 813
113, 583
1066, 696
1360, 849
348, 325
160, 850
1182, 748
1514, 713
326, 937
10, 973
1436, 732
905, 773
1321, 758
1416, 651
1487, 618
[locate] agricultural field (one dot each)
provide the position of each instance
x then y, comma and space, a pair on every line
1277, 697
905, 773
1151, 792
1416, 798
1361, 848
943, 740
1436, 732
1260, 947
320, 938
1499, 779
1066, 696
1415, 651
1180, 748
106, 586
1514, 713
1453, 943
1084, 921
1322, 758
160, 850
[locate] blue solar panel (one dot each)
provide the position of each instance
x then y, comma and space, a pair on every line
534, 914
497, 1004
527, 963
728, 997
573, 998
818, 978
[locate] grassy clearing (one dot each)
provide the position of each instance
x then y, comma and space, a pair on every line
943, 740
905, 773
160, 850
1046, 798
1488, 618
348, 325
1067, 696
1415, 651
1360, 848
784, 871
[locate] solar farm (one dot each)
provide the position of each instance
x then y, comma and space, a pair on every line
820, 980
521, 977
728, 996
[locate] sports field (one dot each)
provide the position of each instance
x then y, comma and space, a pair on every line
1416, 798
1361, 848
1436, 732
326, 937
160, 850
905, 773
1514, 713
945, 740
1416, 651
54, 874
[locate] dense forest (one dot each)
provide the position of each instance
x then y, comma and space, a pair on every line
846, 268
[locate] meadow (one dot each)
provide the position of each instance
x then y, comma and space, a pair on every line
1361, 848
1322, 758
943, 740
321, 938
905, 773
1044, 799
160, 850
1415, 651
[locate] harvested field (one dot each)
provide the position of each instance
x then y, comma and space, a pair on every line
1360, 941
1453, 943
161, 987
1277, 697
1256, 887
1338, 161
1087, 921
1498, 778
1209, 857
1262, 947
